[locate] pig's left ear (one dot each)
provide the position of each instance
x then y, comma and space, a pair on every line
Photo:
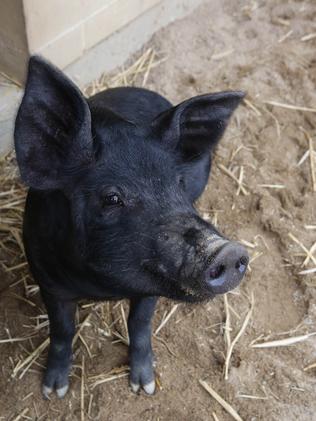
53, 128
196, 125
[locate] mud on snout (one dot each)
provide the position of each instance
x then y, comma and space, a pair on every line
204, 262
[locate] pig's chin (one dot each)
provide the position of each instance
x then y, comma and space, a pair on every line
177, 289
193, 296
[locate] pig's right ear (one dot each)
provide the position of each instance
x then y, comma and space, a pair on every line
195, 126
53, 128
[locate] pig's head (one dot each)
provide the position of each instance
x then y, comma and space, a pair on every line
130, 188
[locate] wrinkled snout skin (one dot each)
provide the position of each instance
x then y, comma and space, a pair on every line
110, 210
204, 262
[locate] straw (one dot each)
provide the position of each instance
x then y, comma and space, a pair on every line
22, 415
311, 158
82, 414
284, 342
166, 319
290, 106
308, 37
220, 400
231, 175
231, 346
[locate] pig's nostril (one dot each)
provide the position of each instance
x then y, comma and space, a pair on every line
217, 271
241, 264
227, 268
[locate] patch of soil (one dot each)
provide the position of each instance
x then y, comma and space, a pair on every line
221, 45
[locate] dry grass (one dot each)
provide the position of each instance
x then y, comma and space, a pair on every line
165, 319
228, 408
254, 397
136, 74
311, 158
308, 253
283, 342
285, 36
114, 374
239, 181
21, 415
308, 37
232, 344
82, 408
290, 106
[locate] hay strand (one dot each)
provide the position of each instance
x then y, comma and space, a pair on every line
310, 367
215, 416
308, 252
307, 271
82, 414
22, 415
311, 157
287, 35
232, 176
272, 186
228, 408
254, 397
166, 319
238, 336
284, 342
254, 108
290, 106
308, 37
31, 358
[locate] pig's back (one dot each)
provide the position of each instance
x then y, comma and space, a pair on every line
137, 105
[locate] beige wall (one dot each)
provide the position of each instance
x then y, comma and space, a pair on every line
13, 42
60, 30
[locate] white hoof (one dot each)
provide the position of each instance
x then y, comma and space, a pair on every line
62, 391
150, 388
46, 391
135, 387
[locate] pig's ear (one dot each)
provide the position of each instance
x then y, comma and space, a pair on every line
196, 125
52, 129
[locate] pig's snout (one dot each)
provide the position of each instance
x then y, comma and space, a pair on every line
227, 268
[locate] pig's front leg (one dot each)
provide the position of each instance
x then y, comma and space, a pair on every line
61, 316
140, 351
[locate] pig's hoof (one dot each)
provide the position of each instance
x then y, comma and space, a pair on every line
135, 387
149, 388
61, 392
56, 378
142, 376
46, 391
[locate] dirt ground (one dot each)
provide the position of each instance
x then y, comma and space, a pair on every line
260, 47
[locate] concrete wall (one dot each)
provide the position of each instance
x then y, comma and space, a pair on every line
60, 30
13, 40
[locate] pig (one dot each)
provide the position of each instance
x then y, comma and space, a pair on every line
110, 207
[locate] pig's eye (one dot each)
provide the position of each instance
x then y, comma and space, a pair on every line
112, 199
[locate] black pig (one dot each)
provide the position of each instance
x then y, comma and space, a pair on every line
109, 212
